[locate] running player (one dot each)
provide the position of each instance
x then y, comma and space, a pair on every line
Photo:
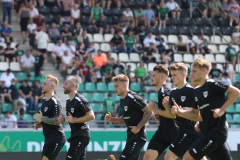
135, 115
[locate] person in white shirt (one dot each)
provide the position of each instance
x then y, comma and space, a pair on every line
10, 121
173, 9
27, 61
191, 45
225, 78
71, 49
149, 39
41, 40
66, 62
236, 35
33, 12
75, 14
129, 15
57, 52
31, 26
7, 77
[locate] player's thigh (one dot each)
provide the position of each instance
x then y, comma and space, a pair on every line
222, 153
131, 150
150, 154
51, 150
182, 143
77, 148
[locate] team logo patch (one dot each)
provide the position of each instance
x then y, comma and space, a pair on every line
72, 110
125, 108
205, 94
45, 109
183, 98
173, 99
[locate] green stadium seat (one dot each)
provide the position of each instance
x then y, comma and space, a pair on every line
28, 117
135, 87
96, 107
99, 116
32, 75
21, 76
237, 106
111, 87
98, 97
145, 95
87, 96
236, 117
6, 107
231, 109
237, 77
17, 116
238, 100
229, 117
153, 96
117, 98
2, 117
102, 87
234, 126
90, 87
81, 87
41, 79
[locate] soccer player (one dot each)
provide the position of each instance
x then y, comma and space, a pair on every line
210, 109
183, 95
167, 129
135, 115
79, 113
49, 115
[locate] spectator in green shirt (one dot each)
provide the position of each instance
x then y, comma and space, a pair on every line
109, 105
162, 15
19, 52
231, 54
95, 13
215, 8
130, 41
106, 72
202, 6
140, 72
139, 16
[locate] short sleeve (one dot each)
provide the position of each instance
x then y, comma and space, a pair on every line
138, 102
218, 86
57, 109
85, 105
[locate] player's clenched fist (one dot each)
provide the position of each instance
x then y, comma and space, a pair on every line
108, 117
165, 101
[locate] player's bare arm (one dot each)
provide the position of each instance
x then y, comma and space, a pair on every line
119, 120
232, 97
37, 125
88, 117
51, 121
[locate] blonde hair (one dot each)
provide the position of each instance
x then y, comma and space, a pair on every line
120, 78
202, 63
53, 79
74, 80
179, 67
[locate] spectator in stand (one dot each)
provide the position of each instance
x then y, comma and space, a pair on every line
40, 63
148, 40
202, 8
40, 22
7, 77
7, 32
85, 72
141, 33
118, 68
5, 93
32, 28
149, 54
95, 13
140, 72
57, 52
123, 23
181, 46
202, 45
174, 10
150, 16
78, 29
66, 61
139, 16
225, 78
41, 40
225, 7
233, 13
65, 16
160, 44
74, 71
9, 53
99, 59
66, 32
130, 41
14, 95
215, 73
54, 33
147, 84
236, 35
106, 73
7, 6
101, 25
215, 8
71, 49
27, 61
110, 59
24, 15
10, 121
168, 55
117, 43
130, 73
22, 123
37, 93
85, 39
25, 92
68, 3
33, 12
162, 15
18, 52
91, 49
230, 71
75, 14
109, 105
191, 45
2, 56
231, 54
48, 3
129, 15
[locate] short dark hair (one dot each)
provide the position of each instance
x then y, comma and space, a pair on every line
161, 69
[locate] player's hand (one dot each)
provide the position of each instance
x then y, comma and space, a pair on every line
37, 125
156, 117
165, 101
108, 117
61, 119
217, 113
196, 127
134, 129
175, 108
151, 105
69, 118
39, 116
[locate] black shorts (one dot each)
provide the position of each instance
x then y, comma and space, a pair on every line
77, 149
212, 146
159, 143
51, 150
132, 150
182, 143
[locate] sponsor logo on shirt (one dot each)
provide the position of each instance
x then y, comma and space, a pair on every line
204, 106
126, 117
220, 85
125, 108
205, 94
45, 109
183, 98
72, 110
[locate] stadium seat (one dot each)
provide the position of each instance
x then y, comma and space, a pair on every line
153, 96
220, 58
134, 57
28, 117
236, 117
237, 106
234, 126
123, 57
175, 30
56, 10
213, 48
117, 98
108, 12
196, 30
238, 67
237, 77
227, 30
101, 87
111, 87
231, 109
13, 45
44, 10
4, 45
188, 58
90, 87
86, 11
172, 39
207, 30
133, 66
151, 66
229, 117
177, 57
185, 30
15, 66
115, 56
188, 21
98, 38
21, 76
105, 47
216, 39
81, 87
95, 107
135, 87
6, 107
226, 39
184, 38
210, 57
99, 116
165, 31
108, 37
98, 97
222, 48
220, 66
236, 47
4, 66
146, 96
97, 46
87, 96
165, 38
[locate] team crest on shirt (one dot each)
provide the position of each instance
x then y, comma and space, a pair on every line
205, 94
45, 109
173, 99
125, 108
72, 110
183, 98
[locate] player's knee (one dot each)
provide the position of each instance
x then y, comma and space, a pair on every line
170, 156
44, 158
147, 155
187, 156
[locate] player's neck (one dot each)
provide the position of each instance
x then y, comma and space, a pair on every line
203, 81
49, 95
72, 95
125, 93
182, 84
159, 85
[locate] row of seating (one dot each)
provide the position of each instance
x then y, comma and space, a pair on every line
234, 108
27, 117
235, 118
14, 66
